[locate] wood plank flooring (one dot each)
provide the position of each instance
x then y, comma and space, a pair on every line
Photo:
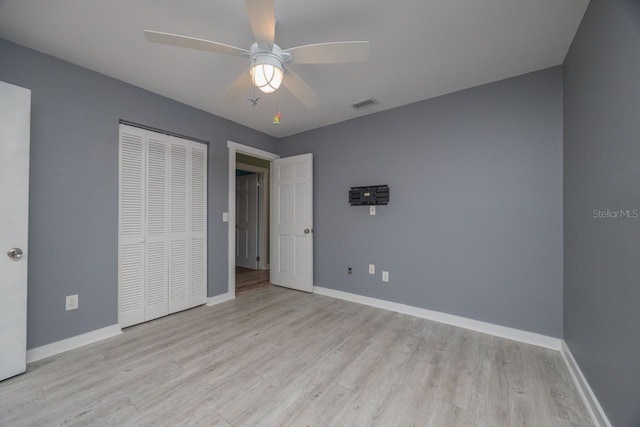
247, 279
276, 357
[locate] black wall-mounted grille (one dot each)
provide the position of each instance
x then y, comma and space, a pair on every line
367, 196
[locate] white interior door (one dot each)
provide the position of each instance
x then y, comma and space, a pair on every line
292, 222
198, 258
157, 236
131, 251
179, 238
15, 119
247, 221
162, 257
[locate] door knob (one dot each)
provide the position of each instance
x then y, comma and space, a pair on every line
307, 231
14, 253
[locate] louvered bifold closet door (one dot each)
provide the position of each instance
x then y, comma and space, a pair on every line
131, 250
162, 243
179, 246
198, 224
157, 240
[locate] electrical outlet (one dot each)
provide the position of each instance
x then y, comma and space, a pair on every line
385, 276
71, 302
372, 210
372, 269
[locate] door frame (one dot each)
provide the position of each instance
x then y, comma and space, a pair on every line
263, 208
235, 148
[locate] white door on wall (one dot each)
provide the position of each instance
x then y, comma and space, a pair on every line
247, 221
131, 251
15, 118
198, 258
157, 219
292, 222
179, 225
162, 257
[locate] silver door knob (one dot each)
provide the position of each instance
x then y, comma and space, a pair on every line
307, 231
14, 253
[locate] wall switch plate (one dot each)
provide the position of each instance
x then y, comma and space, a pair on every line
385, 276
71, 302
372, 210
372, 269
225, 216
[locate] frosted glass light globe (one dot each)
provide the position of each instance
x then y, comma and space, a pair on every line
266, 77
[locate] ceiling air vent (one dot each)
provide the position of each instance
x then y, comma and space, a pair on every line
366, 103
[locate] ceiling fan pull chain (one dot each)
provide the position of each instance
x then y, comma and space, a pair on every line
278, 116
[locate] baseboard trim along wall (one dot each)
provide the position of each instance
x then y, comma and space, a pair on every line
591, 402
219, 299
450, 319
61, 346
70, 343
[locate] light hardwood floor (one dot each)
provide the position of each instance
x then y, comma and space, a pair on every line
247, 280
278, 357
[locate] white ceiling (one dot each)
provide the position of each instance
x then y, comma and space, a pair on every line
419, 49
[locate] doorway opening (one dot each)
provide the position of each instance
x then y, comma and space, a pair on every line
258, 271
291, 222
252, 222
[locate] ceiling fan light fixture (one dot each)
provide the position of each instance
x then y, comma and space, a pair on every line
266, 73
267, 59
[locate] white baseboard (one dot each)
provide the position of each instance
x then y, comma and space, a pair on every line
219, 299
450, 319
67, 344
591, 402
73, 342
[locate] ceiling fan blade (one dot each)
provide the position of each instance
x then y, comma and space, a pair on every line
238, 90
300, 89
330, 53
193, 43
262, 18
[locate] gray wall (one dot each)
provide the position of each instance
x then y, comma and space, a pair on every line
73, 219
602, 171
474, 226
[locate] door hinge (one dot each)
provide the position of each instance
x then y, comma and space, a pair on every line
257, 258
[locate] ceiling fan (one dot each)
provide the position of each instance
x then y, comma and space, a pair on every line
267, 60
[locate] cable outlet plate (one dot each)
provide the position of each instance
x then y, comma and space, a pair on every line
71, 302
